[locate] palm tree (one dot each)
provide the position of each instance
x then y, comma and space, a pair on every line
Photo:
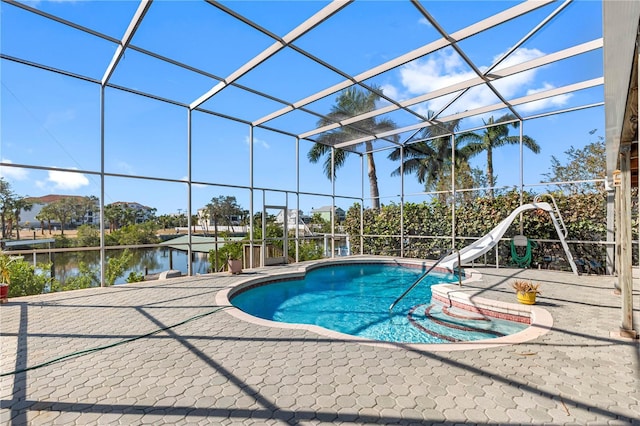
351, 102
45, 214
19, 205
7, 197
431, 160
494, 136
113, 214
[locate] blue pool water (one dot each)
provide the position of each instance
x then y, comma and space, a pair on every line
355, 299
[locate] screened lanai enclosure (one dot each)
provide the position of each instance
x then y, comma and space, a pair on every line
424, 125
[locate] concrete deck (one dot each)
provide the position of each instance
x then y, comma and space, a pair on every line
219, 369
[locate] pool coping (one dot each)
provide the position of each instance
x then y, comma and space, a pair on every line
540, 320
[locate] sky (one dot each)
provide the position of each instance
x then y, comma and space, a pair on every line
53, 121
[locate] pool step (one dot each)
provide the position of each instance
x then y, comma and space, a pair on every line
450, 324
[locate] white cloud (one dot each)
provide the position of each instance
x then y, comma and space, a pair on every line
125, 167
554, 101
439, 70
67, 180
445, 68
14, 173
194, 185
519, 56
390, 91
36, 3
257, 141
424, 21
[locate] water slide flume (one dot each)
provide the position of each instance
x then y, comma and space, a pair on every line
487, 242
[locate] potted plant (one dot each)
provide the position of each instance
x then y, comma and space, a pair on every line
5, 277
234, 257
526, 291
235, 265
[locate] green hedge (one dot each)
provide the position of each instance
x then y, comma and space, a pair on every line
583, 214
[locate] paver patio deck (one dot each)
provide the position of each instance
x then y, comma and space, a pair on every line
217, 369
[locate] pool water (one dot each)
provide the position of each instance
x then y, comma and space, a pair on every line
354, 299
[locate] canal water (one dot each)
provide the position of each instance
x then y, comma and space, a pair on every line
145, 260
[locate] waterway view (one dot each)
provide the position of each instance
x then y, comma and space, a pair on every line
145, 260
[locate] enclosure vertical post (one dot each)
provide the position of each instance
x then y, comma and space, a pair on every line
102, 242
285, 228
610, 248
251, 207
263, 252
333, 202
618, 219
625, 274
297, 200
362, 204
521, 175
453, 191
189, 188
401, 201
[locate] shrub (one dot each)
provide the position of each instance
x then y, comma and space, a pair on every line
584, 215
24, 279
135, 277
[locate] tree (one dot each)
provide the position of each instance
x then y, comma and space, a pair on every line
351, 102
11, 205
222, 209
87, 236
582, 164
431, 159
167, 221
6, 200
494, 136
20, 204
62, 210
46, 214
113, 215
123, 214
140, 233
70, 209
319, 224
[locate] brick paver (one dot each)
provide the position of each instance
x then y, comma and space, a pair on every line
221, 370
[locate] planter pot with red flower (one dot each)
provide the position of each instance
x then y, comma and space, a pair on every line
4, 293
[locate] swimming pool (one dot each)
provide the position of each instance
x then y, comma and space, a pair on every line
354, 299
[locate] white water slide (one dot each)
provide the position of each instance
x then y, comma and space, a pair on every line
487, 242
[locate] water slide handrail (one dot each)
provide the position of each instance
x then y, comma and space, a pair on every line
556, 211
427, 273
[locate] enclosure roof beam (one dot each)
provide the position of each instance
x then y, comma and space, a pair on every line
484, 75
529, 98
485, 109
476, 81
143, 7
462, 34
329, 10
60, 20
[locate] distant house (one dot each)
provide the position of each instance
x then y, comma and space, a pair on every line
293, 216
207, 221
326, 212
143, 213
28, 217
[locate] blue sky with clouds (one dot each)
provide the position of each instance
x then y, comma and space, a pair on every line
51, 120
